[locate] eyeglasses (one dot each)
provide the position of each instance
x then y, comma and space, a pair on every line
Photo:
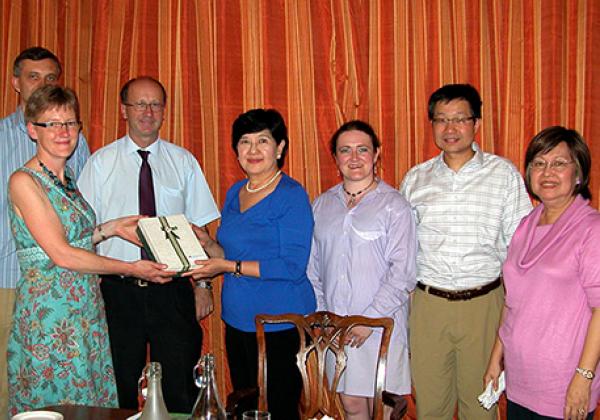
461, 121
143, 106
57, 125
557, 165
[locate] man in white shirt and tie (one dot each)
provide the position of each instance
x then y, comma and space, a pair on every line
115, 181
467, 205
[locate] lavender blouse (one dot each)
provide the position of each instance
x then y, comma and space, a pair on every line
363, 262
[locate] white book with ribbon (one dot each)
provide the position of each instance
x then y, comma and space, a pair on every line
170, 240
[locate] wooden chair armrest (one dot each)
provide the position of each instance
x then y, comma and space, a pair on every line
398, 404
240, 401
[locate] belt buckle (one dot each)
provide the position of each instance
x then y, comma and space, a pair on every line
141, 283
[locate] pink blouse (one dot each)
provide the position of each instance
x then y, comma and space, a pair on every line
552, 284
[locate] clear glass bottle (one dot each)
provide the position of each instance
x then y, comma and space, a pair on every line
208, 404
154, 408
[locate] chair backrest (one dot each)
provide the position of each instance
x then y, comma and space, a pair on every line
319, 333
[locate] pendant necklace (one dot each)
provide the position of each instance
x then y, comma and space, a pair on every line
69, 188
353, 196
262, 187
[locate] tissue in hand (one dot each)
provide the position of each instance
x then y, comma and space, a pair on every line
489, 397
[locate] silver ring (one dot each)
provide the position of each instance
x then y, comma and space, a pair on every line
581, 411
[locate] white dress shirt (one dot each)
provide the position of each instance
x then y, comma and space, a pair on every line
465, 219
109, 182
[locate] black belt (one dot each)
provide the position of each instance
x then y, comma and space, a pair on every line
461, 294
134, 281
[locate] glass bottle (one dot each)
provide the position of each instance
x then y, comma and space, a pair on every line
154, 408
208, 404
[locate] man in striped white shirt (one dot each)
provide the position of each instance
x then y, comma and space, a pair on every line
33, 68
467, 204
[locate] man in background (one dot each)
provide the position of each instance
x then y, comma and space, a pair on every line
467, 205
33, 68
144, 174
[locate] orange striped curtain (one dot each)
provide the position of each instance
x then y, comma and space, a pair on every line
320, 62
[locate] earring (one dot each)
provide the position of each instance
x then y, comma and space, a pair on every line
278, 156
578, 181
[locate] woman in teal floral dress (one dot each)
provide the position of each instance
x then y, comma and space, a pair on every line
59, 351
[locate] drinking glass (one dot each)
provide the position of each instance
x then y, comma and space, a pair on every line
256, 415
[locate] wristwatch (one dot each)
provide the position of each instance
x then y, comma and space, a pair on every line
586, 373
203, 284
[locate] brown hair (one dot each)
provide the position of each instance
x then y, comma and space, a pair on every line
35, 54
355, 125
50, 97
548, 139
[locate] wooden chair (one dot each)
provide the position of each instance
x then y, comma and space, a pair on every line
319, 333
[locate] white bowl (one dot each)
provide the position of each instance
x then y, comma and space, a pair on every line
38, 415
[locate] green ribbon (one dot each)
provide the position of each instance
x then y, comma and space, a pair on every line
173, 239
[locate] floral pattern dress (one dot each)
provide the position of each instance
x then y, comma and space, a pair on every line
58, 350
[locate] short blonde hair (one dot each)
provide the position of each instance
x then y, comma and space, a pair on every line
50, 97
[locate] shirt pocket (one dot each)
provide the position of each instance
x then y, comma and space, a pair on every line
172, 199
368, 235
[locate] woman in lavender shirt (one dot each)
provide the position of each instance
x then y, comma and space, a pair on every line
363, 263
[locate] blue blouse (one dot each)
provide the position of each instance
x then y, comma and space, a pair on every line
276, 232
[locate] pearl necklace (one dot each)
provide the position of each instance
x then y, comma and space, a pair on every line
269, 182
69, 188
353, 196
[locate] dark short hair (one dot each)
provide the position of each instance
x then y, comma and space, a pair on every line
357, 125
125, 89
546, 140
50, 97
35, 54
451, 92
257, 120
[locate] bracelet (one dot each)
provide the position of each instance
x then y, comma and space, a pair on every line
102, 235
586, 373
202, 284
238, 269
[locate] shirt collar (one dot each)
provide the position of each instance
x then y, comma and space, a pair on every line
475, 163
342, 196
131, 147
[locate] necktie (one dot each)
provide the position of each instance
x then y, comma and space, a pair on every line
147, 204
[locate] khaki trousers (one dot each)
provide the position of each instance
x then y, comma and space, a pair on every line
7, 304
450, 344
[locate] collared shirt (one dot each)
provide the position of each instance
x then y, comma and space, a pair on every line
16, 148
363, 259
362, 262
109, 182
465, 219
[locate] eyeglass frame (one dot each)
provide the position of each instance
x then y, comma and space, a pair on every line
557, 165
143, 106
57, 125
462, 121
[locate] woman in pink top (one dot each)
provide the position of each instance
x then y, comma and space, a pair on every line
549, 337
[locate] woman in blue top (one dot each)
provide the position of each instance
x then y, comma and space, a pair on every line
263, 248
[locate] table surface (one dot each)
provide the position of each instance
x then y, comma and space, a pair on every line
80, 412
